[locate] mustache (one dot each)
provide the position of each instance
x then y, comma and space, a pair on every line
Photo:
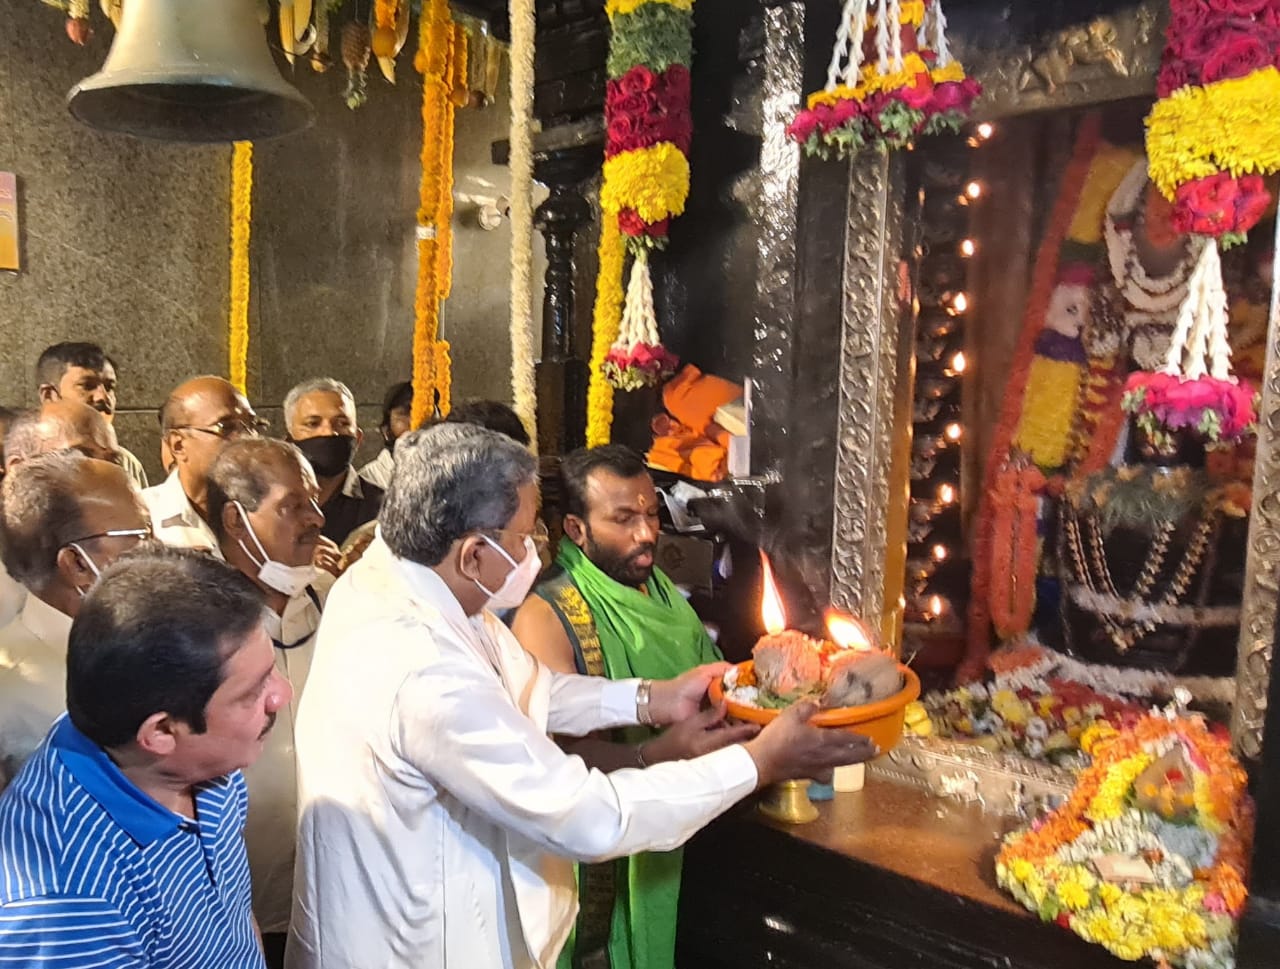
271, 722
104, 408
648, 548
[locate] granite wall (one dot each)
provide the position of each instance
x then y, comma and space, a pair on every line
126, 242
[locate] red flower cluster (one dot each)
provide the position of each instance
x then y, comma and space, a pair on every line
1220, 205
631, 224
642, 365
1216, 40
891, 118
643, 109
1178, 404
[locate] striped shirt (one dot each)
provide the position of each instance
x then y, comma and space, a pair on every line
94, 874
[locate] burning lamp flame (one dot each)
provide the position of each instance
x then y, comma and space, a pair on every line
771, 610
846, 632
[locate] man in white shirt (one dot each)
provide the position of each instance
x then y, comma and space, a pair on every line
262, 506
82, 372
64, 518
197, 421
438, 821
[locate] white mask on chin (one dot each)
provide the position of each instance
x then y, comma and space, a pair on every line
290, 580
515, 587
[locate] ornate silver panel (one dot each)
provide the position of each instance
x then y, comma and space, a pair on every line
1262, 565
868, 379
774, 213
1003, 784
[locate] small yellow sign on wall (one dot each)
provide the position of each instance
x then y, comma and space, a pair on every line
9, 256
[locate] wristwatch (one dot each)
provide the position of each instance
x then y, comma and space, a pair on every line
642, 703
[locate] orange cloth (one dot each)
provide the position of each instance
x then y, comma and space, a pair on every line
689, 441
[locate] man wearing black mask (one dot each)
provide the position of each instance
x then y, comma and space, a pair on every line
320, 417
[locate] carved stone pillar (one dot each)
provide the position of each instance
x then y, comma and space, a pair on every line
562, 370
1262, 566
871, 315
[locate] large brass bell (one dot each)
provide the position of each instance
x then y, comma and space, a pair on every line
190, 70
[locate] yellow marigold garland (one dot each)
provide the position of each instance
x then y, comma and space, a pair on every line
615, 7
1228, 126
241, 221
431, 364
873, 81
653, 181
444, 376
461, 92
912, 14
444, 207
384, 13
604, 330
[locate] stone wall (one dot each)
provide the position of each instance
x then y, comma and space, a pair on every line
126, 242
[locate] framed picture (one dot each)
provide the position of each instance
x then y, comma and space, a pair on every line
9, 255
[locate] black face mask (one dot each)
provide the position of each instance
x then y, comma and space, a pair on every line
329, 456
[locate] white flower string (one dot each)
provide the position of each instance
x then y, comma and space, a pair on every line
1201, 329
882, 35
853, 23
523, 384
639, 318
895, 19
939, 39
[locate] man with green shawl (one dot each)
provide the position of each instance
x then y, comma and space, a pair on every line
603, 609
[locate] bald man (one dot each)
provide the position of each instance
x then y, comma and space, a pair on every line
197, 421
64, 518
57, 425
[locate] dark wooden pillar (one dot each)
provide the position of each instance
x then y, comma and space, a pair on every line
562, 371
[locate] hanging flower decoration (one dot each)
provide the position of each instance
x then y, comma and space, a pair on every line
431, 367
1212, 133
1147, 857
891, 79
241, 222
1195, 390
645, 184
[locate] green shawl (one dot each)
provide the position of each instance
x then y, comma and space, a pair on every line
651, 636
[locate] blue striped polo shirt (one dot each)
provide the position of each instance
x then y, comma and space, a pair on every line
94, 874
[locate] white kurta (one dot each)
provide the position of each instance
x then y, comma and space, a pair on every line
272, 826
175, 520
33, 681
437, 818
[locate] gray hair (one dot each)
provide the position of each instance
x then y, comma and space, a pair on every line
245, 470
449, 480
328, 385
40, 512
25, 438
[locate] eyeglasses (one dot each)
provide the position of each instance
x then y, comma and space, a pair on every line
141, 534
541, 537
227, 429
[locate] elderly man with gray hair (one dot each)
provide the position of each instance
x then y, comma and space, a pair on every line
320, 418
64, 517
438, 820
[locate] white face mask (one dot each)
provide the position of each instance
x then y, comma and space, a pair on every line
515, 587
291, 580
93, 567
